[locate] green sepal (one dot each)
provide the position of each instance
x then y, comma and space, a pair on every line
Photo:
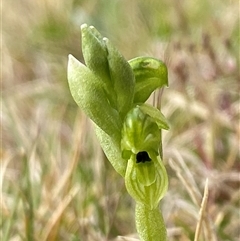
122, 77
87, 91
156, 114
150, 74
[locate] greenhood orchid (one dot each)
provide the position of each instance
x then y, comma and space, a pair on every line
112, 92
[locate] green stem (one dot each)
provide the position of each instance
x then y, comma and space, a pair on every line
150, 224
160, 145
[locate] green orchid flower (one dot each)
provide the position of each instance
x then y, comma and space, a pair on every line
112, 91
146, 178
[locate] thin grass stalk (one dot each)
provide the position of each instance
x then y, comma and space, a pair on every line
28, 200
202, 212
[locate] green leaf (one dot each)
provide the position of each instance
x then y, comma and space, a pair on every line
112, 150
150, 74
89, 94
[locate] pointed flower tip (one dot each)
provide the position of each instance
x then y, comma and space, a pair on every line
105, 39
73, 63
83, 26
166, 83
72, 59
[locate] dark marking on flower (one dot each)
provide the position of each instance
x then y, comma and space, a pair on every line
142, 156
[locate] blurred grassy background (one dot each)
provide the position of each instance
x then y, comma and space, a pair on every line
56, 183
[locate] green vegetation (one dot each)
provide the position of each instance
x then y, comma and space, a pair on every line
111, 91
56, 182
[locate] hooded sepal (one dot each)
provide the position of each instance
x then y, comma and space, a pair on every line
150, 74
139, 133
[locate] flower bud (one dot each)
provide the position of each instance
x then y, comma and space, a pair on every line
95, 55
150, 74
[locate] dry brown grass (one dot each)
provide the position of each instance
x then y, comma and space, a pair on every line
56, 183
